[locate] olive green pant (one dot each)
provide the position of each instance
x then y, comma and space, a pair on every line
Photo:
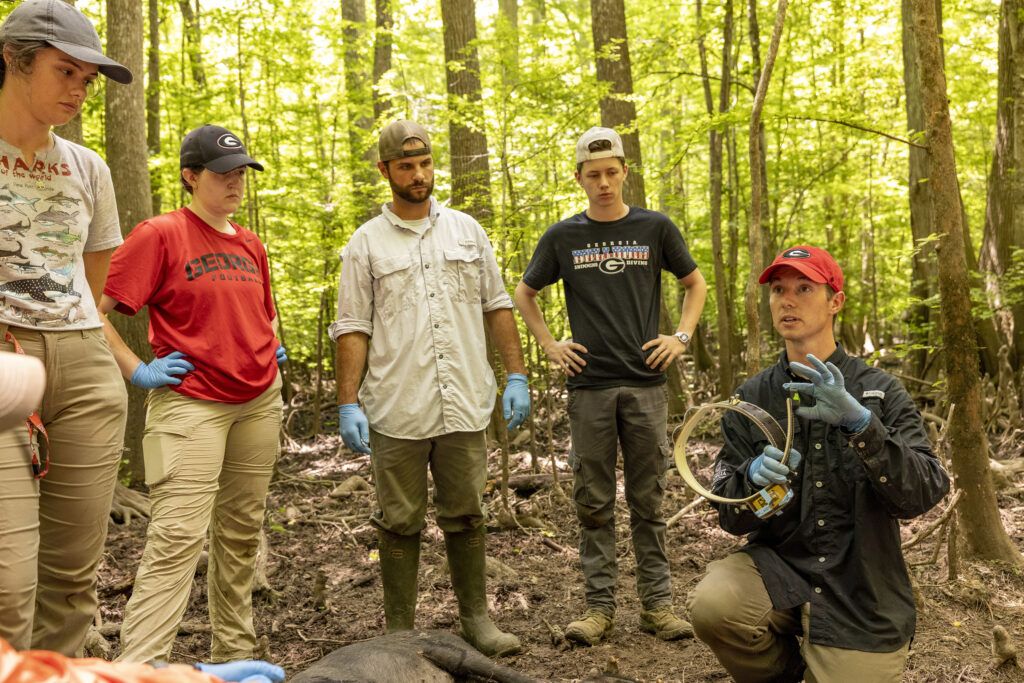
601, 420
732, 613
52, 530
208, 466
458, 465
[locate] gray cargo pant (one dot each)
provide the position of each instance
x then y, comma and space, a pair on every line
601, 420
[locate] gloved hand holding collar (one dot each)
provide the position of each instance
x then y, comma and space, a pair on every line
832, 402
354, 428
767, 468
160, 372
245, 671
515, 402
281, 354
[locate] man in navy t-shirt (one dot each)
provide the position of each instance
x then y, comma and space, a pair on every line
610, 258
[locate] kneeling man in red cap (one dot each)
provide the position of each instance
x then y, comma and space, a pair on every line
820, 592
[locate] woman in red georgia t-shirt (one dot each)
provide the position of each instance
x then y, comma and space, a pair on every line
214, 407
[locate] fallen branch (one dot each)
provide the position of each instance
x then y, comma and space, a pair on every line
321, 640
935, 524
185, 628
551, 544
689, 507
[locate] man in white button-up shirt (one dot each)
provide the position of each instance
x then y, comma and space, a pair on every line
419, 283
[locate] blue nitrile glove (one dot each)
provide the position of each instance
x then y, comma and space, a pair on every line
515, 402
832, 402
282, 355
161, 371
767, 468
354, 428
247, 670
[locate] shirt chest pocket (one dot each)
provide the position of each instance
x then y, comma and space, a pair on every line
463, 266
394, 285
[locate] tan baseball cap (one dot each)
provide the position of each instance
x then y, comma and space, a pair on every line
22, 379
609, 144
394, 136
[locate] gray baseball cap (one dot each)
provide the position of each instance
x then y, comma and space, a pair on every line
60, 25
394, 136
611, 147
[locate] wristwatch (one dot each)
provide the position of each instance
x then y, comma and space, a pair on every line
683, 337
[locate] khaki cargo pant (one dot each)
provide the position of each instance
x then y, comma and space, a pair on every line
208, 466
458, 464
600, 420
732, 613
52, 531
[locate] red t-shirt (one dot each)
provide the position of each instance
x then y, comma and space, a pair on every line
209, 297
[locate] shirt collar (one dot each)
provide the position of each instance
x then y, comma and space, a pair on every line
838, 358
432, 213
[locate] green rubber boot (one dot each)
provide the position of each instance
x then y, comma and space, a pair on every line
467, 560
399, 565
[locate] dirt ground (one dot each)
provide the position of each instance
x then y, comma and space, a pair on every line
325, 587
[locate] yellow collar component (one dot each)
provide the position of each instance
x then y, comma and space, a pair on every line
769, 500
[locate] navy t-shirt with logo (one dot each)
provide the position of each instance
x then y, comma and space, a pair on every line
612, 275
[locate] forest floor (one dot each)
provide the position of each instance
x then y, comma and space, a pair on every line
325, 587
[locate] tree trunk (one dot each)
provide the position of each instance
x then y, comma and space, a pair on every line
153, 98
755, 239
382, 40
471, 171
726, 379
359, 106
72, 130
1004, 213
192, 35
922, 220
766, 209
508, 31
125, 138
611, 48
979, 515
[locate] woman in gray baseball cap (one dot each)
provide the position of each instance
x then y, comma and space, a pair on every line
58, 229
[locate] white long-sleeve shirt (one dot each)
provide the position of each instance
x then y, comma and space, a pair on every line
419, 290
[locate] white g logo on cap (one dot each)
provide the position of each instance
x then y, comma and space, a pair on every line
229, 141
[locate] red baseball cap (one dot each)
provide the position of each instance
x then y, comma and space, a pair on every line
817, 264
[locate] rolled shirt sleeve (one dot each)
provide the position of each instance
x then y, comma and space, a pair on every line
355, 291
493, 294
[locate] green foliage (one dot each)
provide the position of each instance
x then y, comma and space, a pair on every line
274, 73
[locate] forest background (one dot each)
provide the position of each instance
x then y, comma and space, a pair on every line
841, 138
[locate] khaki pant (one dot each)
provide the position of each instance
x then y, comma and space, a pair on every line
52, 530
601, 420
458, 464
732, 613
208, 466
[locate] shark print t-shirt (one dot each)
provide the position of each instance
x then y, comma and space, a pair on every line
51, 212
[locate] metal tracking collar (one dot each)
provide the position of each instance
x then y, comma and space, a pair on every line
769, 500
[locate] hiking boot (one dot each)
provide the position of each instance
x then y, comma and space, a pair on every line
591, 628
664, 624
467, 561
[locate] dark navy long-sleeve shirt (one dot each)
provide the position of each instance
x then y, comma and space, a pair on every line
837, 544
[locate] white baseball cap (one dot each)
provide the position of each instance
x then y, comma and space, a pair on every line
598, 143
